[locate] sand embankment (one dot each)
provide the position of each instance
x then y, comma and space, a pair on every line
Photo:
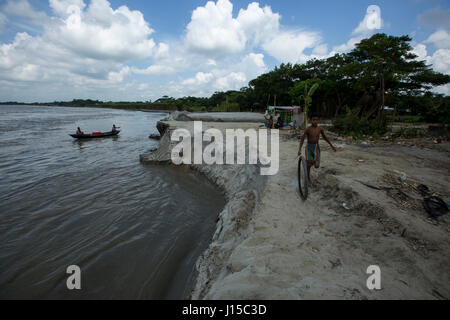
364, 209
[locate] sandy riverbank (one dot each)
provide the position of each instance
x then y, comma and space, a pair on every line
269, 244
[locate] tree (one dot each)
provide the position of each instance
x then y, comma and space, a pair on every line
304, 90
385, 63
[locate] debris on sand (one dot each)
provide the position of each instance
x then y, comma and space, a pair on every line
435, 206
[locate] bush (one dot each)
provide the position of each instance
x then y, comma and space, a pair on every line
409, 133
353, 125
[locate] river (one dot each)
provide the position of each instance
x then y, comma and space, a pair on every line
135, 231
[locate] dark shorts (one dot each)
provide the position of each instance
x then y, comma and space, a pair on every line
313, 152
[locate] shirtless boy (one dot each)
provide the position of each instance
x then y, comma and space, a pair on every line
312, 148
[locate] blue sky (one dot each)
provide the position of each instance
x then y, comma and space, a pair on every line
141, 50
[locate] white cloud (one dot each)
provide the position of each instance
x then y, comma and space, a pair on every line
213, 30
96, 34
288, 46
199, 79
371, 23
103, 33
64, 8
348, 46
232, 81
22, 9
441, 61
258, 23
440, 39
420, 50
162, 51
168, 60
211, 63
118, 76
156, 69
226, 75
81, 50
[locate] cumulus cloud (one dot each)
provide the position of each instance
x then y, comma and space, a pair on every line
440, 39
420, 50
22, 9
289, 46
371, 23
80, 45
199, 79
440, 61
252, 65
214, 31
99, 32
64, 8
155, 69
258, 23
232, 81
223, 76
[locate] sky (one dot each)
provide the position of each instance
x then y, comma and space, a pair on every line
141, 50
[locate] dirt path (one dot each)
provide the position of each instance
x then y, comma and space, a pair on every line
320, 250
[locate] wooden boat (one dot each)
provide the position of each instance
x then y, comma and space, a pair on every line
96, 135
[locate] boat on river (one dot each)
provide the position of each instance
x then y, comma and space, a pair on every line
94, 135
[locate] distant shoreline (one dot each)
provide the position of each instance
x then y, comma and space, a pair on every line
161, 108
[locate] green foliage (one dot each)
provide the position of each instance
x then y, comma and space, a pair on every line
409, 132
352, 125
437, 109
303, 91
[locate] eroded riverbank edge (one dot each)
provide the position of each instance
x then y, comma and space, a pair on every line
242, 186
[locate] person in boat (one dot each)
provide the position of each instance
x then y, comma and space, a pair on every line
79, 132
114, 128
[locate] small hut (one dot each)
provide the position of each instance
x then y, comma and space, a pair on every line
288, 114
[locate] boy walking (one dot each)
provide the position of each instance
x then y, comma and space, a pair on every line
312, 148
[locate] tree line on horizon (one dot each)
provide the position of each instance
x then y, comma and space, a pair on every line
380, 71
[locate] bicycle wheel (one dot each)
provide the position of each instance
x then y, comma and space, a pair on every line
302, 178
